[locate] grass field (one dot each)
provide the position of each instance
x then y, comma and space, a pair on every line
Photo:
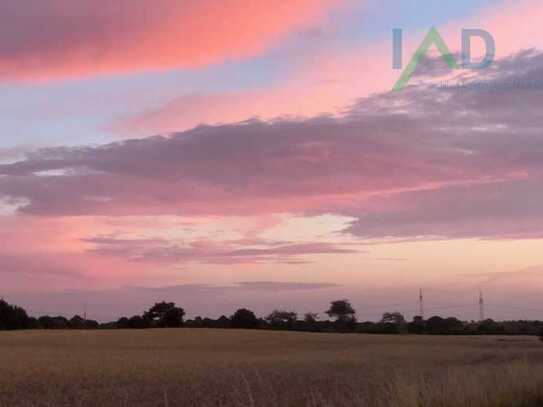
191, 367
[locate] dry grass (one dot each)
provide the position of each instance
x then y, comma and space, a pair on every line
255, 368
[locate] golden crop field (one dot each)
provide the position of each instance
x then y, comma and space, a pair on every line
200, 367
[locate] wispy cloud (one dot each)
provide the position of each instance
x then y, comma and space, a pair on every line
282, 286
493, 277
212, 252
53, 39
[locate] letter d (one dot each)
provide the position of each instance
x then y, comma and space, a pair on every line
490, 47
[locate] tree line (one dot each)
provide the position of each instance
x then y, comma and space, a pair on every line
341, 318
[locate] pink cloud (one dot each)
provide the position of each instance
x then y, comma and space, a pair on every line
389, 149
256, 167
47, 253
334, 76
50, 39
515, 26
326, 83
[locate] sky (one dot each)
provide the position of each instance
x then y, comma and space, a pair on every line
245, 153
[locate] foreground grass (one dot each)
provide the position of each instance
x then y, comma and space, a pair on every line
203, 368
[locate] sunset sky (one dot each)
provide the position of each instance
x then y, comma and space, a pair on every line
251, 153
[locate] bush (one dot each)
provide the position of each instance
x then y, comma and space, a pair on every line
138, 322
12, 317
173, 318
47, 322
244, 319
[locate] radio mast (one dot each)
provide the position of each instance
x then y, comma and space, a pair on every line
421, 304
481, 306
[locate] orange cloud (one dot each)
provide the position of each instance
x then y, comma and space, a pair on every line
61, 38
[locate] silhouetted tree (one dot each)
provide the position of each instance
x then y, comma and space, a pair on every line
367, 327
123, 323
47, 322
417, 326
208, 323
393, 323
282, 319
33, 323
311, 318
91, 324
157, 311
395, 318
438, 325
344, 315
311, 322
12, 317
223, 322
173, 318
244, 318
138, 322
341, 310
488, 326
454, 324
165, 315
76, 322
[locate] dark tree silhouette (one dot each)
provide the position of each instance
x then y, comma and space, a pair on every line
12, 317
311, 322
282, 319
165, 315
341, 310
344, 315
395, 318
488, 326
76, 322
157, 311
223, 322
393, 323
138, 322
311, 318
91, 324
48, 322
438, 325
245, 319
173, 318
122, 323
417, 326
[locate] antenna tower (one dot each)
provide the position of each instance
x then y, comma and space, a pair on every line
421, 304
481, 306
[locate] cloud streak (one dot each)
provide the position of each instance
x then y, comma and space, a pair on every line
209, 252
56, 39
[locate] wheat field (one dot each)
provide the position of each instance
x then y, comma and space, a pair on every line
200, 367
